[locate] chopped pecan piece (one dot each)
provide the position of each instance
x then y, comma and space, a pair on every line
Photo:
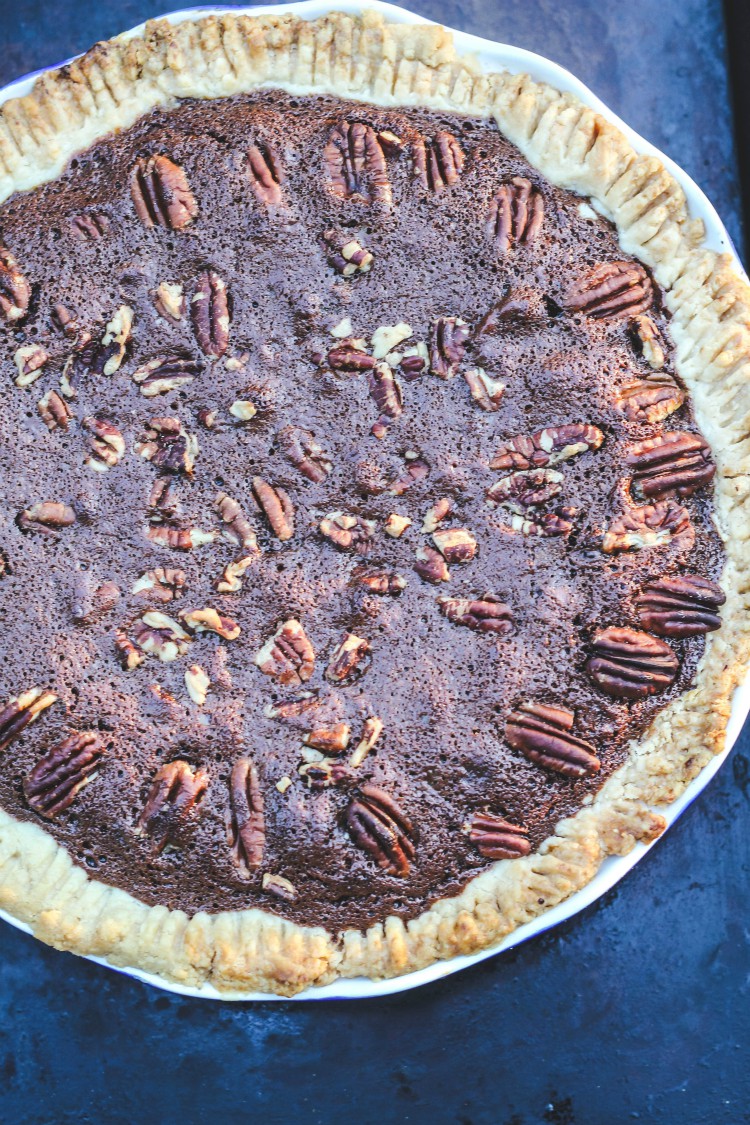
16, 714
379, 826
329, 740
611, 290
386, 393
650, 400
350, 356
438, 163
207, 620
526, 489
110, 353
293, 708
246, 828
128, 654
396, 525
351, 533
448, 336
487, 614
431, 565
175, 791
89, 227
301, 448
58, 777
54, 411
390, 142
165, 373
243, 410
544, 526
163, 505
414, 362
649, 340
91, 602
161, 193
179, 538
628, 664
435, 515
230, 580
168, 446
161, 636
516, 214
279, 887
545, 736
653, 525
547, 447
29, 360
355, 163
347, 256
324, 774
415, 470
197, 684
106, 442
47, 517
209, 312
288, 655
496, 838
63, 319
371, 732
456, 544
678, 463
388, 337
238, 526
265, 175
169, 301
276, 507
15, 292
162, 584
379, 581
485, 391
348, 659
684, 606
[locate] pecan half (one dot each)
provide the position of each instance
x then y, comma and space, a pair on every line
301, 448
161, 193
348, 659
431, 565
379, 581
165, 373
684, 606
485, 391
650, 400
47, 517
448, 336
379, 826
197, 684
238, 526
350, 533
526, 489
653, 525
276, 507
611, 290
246, 827
288, 655
496, 838
516, 214
54, 411
347, 256
163, 584
547, 447
168, 446
15, 292
29, 361
439, 162
386, 393
209, 312
207, 620
175, 791
544, 735
649, 341
487, 614
329, 740
161, 636
16, 714
180, 538
106, 443
169, 301
324, 774
58, 777
678, 463
456, 544
371, 732
265, 175
628, 664
90, 602
350, 356
355, 163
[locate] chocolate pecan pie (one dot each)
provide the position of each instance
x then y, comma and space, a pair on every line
374, 464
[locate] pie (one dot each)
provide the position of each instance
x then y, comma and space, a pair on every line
374, 529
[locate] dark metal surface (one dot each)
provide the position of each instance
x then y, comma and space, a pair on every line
635, 1010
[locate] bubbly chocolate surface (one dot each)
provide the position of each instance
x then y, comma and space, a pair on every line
442, 691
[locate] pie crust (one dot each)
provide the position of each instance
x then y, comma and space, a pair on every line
395, 64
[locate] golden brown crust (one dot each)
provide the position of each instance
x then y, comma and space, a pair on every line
574, 147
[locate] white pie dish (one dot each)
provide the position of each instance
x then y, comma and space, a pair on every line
497, 57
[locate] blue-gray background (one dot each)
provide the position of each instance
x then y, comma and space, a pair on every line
635, 1010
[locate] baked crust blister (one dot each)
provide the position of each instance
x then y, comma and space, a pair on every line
572, 146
